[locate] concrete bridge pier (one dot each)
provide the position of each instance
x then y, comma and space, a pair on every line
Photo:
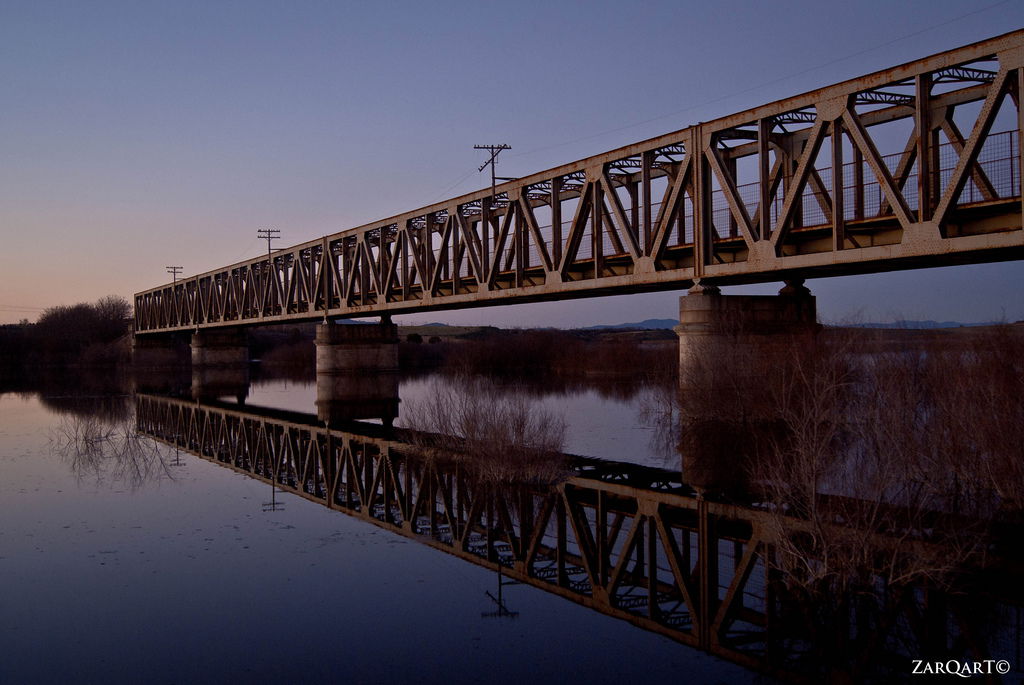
353, 396
357, 372
732, 350
220, 347
728, 342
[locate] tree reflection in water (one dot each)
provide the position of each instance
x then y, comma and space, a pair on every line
497, 433
892, 478
109, 450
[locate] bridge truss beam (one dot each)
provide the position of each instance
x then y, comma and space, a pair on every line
797, 187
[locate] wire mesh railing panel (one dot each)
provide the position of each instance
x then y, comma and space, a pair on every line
996, 176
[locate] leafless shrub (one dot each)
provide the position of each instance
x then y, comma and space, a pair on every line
887, 462
883, 472
977, 415
108, 451
658, 408
498, 436
865, 471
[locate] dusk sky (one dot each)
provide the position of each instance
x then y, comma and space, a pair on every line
136, 135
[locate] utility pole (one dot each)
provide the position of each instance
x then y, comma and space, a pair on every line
273, 504
268, 234
503, 611
174, 271
495, 150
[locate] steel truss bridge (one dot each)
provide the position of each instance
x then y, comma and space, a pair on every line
625, 540
800, 187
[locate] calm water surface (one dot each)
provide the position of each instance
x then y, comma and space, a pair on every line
171, 569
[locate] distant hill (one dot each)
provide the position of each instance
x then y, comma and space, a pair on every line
920, 325
668, 324
656, 324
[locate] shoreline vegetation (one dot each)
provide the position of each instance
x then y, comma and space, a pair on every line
93, 340
86, 334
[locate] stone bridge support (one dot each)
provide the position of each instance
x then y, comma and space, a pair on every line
357, 372
729, 340
220, 347
733, 350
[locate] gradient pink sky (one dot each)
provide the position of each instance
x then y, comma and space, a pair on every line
139, 135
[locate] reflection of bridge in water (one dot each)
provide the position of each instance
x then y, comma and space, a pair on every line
629, 541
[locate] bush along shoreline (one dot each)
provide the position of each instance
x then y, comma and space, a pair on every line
81, 335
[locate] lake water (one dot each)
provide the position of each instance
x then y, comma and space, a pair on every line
126, 560
230, 528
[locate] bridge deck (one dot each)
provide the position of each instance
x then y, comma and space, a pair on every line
750, 197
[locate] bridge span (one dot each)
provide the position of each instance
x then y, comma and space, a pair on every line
917, 165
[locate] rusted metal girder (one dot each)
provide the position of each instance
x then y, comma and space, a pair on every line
750, 197
628, 541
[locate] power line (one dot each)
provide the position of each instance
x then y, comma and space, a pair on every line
444, 193
246, 251
21, 308
174, 270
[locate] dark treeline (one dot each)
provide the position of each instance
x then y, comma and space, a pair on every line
537, 353
96, 335
68, 335
550, 356
286, 345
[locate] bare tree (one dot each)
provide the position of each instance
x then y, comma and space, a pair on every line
499, 436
